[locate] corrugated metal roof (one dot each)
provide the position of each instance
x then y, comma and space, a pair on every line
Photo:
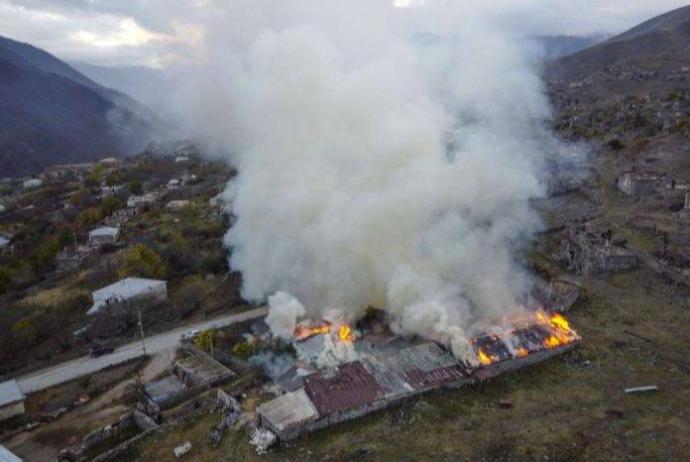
346, 387
125, 290
415, 368
7, 456
290, 409
105, 231
10, 393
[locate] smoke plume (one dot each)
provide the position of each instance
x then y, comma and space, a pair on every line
378, 165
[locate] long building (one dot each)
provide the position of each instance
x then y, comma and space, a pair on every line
383, 378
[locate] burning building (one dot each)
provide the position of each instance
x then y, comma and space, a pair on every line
389, 369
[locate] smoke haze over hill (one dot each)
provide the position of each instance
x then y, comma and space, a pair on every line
374, 171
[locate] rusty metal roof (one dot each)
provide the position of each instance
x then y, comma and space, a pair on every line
346, 387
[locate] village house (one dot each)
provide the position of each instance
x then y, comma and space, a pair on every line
636, 184
591, 253
32, 183
143, 200
120, 217
129, 291
179, 183
218, 201
174, 184
11, 400
106, 191
104, 235
7, 456
177, 206
676, 192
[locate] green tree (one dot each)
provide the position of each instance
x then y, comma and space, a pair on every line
109, 205
113, 179
88, 218
141, 261
244, 349
207, 340
44, 257
135, 187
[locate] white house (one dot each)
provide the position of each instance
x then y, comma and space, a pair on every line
7, 456
181, 159
106, 191
218, 201
176, 206
174, 184
2, 208
129, 290
139, 201
105, 235
11, 400
32, 183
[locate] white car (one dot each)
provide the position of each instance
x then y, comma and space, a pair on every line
191, 334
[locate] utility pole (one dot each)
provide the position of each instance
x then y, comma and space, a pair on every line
141, 330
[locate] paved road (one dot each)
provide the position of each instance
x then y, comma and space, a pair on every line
74, 369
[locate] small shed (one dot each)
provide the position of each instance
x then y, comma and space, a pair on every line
129, 290
104, 235
11, 400
289, 415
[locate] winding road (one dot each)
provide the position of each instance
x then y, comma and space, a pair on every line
86, 365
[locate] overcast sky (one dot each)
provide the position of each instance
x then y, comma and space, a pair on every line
157, 32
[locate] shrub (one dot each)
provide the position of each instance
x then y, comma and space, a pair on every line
141, 261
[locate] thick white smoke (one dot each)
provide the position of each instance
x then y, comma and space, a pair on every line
378, 167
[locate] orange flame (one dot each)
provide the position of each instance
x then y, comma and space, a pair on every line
559, 334
304, 332
485, 358
345, 334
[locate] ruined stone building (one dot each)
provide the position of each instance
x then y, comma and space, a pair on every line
592, 253
637, 184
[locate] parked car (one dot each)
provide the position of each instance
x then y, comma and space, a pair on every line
101, 350
191, 334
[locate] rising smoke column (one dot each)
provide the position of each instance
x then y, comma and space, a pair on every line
378, 167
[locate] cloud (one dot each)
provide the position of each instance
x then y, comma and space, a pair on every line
156, 32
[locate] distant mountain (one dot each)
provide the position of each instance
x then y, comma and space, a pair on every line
557, 46
150, 86
51, 114
659, 44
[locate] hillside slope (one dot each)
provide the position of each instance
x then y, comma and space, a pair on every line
658, 44
52, 114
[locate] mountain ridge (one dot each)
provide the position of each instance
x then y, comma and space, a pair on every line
52, 114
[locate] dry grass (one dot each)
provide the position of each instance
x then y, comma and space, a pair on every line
572, 408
